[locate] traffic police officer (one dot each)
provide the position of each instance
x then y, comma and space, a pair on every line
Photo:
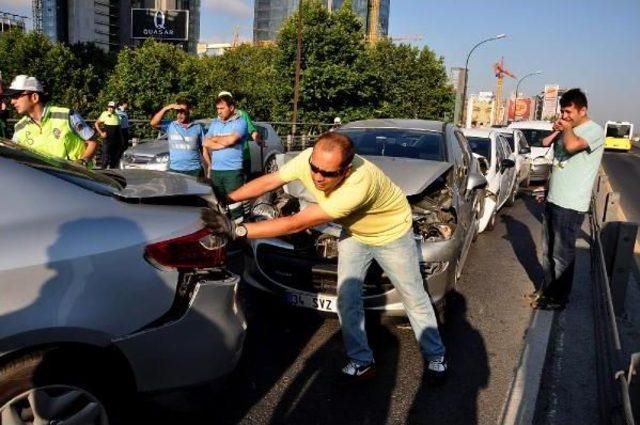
47, 129
112, 146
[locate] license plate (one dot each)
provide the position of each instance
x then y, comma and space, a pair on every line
314, 302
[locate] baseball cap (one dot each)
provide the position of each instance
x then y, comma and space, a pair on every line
24, 83
225, 93
111, 104
337, 120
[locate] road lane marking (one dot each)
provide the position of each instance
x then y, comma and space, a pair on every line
521, 401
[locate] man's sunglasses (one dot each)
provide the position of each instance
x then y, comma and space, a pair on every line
324, 173
181, 111
19, 95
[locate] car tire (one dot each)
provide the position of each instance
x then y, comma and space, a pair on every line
59, 376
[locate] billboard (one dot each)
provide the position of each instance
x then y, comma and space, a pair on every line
160, 24
523, 110
550, 101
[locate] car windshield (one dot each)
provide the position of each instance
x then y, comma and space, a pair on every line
481, 146
535, 136
398, 142
61, 168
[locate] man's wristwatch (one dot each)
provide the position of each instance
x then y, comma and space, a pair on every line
241, 231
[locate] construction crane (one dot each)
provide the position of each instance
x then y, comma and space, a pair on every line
500, 71
406, 37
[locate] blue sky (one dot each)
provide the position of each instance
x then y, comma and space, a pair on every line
592, 44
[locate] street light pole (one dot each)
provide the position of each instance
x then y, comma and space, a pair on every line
466, 73
515, 100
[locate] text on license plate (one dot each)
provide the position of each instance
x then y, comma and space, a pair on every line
315, 302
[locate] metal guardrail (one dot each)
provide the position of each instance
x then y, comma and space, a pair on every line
615, 402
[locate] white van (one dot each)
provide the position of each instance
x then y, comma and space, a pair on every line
541, 157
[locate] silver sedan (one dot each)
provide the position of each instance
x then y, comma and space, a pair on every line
110, 285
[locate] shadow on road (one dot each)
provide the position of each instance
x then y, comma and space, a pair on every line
315, 396
535, 208
521, 240
456, 402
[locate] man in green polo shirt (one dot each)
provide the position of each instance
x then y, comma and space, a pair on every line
578, 144
47, 129
112, 136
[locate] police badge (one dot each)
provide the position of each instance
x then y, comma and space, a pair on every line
56, 133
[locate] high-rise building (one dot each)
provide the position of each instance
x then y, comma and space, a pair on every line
270, 15
108, 22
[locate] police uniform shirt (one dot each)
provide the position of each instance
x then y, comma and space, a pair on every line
76, 123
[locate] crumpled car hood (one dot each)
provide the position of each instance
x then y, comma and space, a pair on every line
158, 184
412, 175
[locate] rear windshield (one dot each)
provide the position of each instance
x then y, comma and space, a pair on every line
534, 137
67, 170
481, 146
618, 130
398, 142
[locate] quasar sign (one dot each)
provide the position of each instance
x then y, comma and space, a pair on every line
160, 24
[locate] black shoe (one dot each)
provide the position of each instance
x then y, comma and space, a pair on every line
437, 370
546, 303
354, 372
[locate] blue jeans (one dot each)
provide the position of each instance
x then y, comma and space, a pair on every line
399, 260
560, 228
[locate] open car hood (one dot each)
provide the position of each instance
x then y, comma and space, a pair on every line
413, 176
145, 184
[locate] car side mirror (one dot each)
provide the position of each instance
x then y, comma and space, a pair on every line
524, 150
476, 181
506, 163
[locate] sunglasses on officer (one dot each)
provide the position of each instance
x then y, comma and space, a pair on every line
19, 95
328, 174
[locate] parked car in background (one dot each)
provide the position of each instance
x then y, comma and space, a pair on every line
110, 284
432, 163
494, 155
153, 154
520, 153
541, 157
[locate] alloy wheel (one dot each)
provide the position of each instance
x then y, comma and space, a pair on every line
54, 404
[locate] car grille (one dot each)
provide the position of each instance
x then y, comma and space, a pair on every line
137, 159
306, 272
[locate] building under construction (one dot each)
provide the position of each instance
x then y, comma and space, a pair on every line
270, 15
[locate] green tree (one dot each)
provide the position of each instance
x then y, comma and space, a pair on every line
414, 82
246, 71
149, 76
336, 78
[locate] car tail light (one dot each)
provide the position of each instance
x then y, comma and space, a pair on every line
199, 250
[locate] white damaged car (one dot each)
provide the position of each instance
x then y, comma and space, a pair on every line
494, 156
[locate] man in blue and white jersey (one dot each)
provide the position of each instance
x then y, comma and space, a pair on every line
185, 139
